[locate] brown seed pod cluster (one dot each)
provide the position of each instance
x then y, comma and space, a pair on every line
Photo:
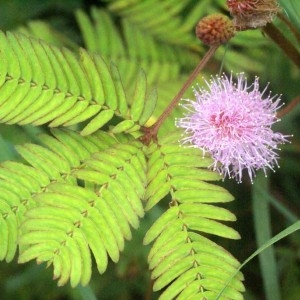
252, 13
215, 29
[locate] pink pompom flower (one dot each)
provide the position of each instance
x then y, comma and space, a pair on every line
232, 121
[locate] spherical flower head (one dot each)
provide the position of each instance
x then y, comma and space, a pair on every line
215, 29
232, 121
252, 13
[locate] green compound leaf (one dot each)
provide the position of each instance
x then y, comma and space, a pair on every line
19, 183
121, 171
134, 47
45, 84
172, 23
82, 193
54, 220
182, 261
82, 216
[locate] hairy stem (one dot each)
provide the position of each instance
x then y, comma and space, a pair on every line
151, 132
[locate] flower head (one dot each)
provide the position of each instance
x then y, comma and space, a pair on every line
232, 121
215, 29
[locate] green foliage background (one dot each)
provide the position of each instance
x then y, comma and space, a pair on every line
158, 37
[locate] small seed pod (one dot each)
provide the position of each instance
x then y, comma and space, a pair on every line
215, 29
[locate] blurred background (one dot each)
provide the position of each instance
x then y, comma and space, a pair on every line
165, 47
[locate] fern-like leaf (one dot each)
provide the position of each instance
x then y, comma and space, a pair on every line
54, 219
174, 22
161, 20
43, 30
82, 193
19, 183
42, 84
182, 260
133, 48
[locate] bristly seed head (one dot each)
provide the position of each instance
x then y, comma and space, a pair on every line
215, 29
252, 13
232, 121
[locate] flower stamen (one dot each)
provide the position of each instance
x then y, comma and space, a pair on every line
232, 121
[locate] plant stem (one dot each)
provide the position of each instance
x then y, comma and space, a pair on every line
289, 107
288, 48
291, 27
151, 132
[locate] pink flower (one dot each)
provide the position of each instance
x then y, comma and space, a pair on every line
232, 121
